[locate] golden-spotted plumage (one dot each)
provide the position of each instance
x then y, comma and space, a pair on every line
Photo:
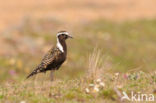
51, 61
55, 56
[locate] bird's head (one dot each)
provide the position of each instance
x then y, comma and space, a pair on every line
63, 35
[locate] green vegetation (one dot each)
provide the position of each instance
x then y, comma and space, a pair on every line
126, 61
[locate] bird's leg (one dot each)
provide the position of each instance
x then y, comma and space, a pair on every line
52, 75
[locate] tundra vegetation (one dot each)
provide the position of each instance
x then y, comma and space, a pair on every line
104, 59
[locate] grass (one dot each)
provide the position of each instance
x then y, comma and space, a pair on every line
73, 90
126, 61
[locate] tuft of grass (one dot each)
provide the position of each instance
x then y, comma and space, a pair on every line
94, 67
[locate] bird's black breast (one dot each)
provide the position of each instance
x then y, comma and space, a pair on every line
53, 59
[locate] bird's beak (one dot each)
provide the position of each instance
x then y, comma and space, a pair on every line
69, 36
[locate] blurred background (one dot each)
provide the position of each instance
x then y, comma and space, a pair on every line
124, 30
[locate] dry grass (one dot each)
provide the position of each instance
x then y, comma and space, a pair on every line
74, 90
94, 69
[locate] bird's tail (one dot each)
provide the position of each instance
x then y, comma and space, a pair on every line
37, 70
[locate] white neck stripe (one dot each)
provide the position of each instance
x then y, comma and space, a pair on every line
59, 46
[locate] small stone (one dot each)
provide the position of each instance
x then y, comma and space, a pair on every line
87, 90
23, 102
102, 84
96, 89
91, 85
98, 80
117, 74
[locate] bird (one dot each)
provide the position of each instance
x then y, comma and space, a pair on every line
55, 57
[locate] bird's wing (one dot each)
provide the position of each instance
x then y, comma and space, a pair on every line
49, 57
